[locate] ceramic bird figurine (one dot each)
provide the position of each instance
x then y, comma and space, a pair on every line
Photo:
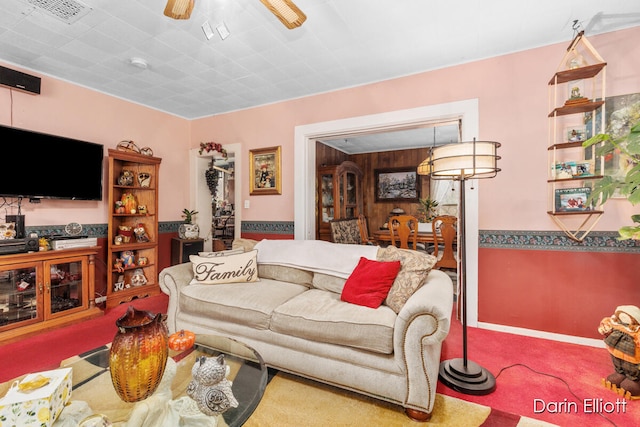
209, 387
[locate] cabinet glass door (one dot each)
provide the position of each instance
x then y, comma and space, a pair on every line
327, 198
64, 285
19, 296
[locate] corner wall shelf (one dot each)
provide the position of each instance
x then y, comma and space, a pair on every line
575, 89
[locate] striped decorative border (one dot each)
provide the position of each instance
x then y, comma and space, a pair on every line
268, 227
596, 241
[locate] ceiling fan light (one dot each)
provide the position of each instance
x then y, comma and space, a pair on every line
179, 9
287, 12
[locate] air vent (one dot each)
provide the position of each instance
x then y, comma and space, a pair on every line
68, 11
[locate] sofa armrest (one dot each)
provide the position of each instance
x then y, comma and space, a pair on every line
421, 327
172, 280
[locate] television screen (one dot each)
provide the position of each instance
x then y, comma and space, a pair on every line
37, 165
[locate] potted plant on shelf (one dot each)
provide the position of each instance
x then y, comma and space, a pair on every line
627, 182
426, 213
188, 230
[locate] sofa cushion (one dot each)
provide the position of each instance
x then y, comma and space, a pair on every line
370, 282
249, 304
225, 269
415, 268
328, 282
244, 244
285, 274
221, 253
320, 316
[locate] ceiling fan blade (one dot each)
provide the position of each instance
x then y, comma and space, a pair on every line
179, 9
287, 12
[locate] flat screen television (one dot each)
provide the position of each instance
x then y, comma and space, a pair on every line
38, 165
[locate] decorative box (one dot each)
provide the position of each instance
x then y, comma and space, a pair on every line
39, 407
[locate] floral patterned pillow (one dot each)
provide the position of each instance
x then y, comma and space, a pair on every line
414, 269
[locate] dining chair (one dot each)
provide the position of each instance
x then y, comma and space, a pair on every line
364, 231
404, 230
444, 234
345, 230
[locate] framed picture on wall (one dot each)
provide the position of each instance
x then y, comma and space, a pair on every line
397, 185
265, 171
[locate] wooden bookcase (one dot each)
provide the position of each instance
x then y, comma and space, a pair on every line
126, 244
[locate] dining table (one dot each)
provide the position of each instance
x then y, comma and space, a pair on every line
383, 236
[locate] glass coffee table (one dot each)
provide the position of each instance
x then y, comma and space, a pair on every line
92, 381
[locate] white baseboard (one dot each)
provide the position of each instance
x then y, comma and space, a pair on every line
591, 342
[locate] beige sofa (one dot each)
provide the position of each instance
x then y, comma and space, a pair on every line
294, 317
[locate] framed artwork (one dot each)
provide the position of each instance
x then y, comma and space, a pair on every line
621, 111
265, 171
397, 185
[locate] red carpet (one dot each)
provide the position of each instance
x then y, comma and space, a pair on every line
45, 351
543, 379
531, 373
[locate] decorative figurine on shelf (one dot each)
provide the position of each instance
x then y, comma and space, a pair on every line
622, 337
119, 208
143, 260
209, 387
141, 233
125, 178
125, 232
144, 179
142, 209
117, 240
130, 203
138, 278
128, 259
119, 265
119, 285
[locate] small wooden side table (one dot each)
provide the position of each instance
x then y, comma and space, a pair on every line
182, 248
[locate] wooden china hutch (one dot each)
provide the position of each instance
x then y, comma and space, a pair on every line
339, 193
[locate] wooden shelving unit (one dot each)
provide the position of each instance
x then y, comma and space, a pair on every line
121, 285
572, 168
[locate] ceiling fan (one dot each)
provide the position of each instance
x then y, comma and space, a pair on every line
285, 10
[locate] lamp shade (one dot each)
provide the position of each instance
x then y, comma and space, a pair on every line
476, 159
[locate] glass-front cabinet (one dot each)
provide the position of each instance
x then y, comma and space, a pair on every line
45, 289
339, 195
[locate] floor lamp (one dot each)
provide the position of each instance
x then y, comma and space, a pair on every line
460, 162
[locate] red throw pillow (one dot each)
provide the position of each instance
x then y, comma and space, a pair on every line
369, 283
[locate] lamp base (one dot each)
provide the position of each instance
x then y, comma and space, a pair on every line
472, 379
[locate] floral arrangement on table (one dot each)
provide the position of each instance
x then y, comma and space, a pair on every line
208, 147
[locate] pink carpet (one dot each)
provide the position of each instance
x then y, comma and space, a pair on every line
531, 372
543, 379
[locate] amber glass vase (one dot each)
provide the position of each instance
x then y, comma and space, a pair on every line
138, 354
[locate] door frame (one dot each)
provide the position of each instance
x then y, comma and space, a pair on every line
305, 137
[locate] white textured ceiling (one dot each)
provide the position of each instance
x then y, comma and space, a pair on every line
343, 43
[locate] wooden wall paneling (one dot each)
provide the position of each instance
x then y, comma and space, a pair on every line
377, 213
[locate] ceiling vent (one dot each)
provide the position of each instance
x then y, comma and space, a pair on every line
68, 11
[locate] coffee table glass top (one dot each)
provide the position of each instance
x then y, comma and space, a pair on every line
92, 381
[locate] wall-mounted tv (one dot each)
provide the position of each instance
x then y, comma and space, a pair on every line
37, 165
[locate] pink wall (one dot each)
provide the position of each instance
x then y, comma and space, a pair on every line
512, 94
513, 108
73, 111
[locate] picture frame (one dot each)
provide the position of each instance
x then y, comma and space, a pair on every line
577, 133
397, 185
572, 199
265, 171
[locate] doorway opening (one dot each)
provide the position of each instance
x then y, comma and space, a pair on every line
305, 138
